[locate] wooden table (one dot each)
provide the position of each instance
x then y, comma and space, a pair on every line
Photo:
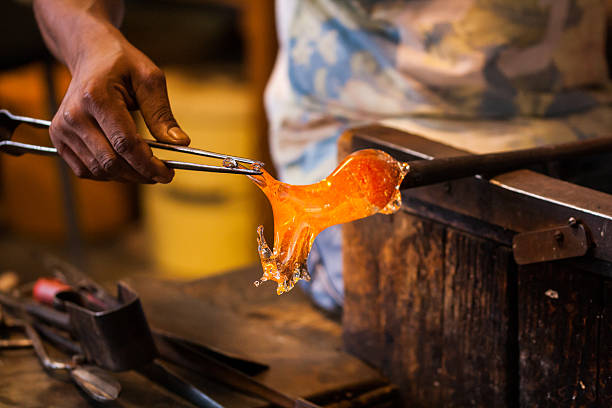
302, 346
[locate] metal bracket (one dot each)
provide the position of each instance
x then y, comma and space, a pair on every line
116, 339
562, 242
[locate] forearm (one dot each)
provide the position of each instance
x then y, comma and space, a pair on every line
70, 27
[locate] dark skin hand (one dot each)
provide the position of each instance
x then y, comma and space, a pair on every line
93, 129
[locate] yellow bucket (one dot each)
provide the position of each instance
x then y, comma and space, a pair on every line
204, 223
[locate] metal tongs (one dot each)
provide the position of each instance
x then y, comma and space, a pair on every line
231, 164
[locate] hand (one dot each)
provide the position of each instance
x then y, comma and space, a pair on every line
93, 130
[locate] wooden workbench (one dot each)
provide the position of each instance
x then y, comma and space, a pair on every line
449, 301
302, 346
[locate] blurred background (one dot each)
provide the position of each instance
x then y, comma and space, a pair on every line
217, 56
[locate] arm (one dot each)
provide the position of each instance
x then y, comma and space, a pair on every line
93, 129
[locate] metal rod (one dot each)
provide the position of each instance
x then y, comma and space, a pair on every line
15, 343
54, 317
426, 172
41, 352
95, 382
197, 152
185, 356
38, 123
59, 341
159, 374
16, 148
177, 165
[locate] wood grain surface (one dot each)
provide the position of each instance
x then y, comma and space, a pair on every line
560, 312
430, 307
434, 298
302, 347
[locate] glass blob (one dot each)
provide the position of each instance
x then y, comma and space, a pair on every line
365, 183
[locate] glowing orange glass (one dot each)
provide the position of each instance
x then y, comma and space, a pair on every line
365, 183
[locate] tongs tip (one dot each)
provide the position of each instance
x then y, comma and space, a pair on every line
230, 164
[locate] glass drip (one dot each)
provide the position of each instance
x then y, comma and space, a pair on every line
365, 183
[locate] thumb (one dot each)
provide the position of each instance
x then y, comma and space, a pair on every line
152, 97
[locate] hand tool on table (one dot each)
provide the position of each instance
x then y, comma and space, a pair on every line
103, 352
96, 383
93, 294
182, 352
116, 339
230, 164
431, 171
7, 327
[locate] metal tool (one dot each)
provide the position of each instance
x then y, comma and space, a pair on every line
231, 164
426, 172
152, 370
104, 352
117, 338
183, 354
97, 383
7, 341
212, 364
94, 294
15, 343
81, 322
208, 363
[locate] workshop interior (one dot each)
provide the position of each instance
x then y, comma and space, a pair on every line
476, 265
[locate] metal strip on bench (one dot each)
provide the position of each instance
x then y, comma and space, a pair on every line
517, 201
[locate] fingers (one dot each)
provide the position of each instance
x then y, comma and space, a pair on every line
85, 148
95, 132
152, 98
73, 161
111, 114
80, 161
90, 139
74, 153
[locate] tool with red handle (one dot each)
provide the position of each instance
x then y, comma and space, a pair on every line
210, 363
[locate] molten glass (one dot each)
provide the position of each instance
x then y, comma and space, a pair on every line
365, 183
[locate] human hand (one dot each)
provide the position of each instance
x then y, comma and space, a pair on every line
93, 130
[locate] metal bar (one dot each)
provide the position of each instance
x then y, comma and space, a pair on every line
243, 365
54, 317
17, 149
38, 123
425, 172
518, 201
15, 343
152, 370
59, 341
188, 357
81, 282
157, 373
177, 165
186, 354
198, 152
41, 352
95, 382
